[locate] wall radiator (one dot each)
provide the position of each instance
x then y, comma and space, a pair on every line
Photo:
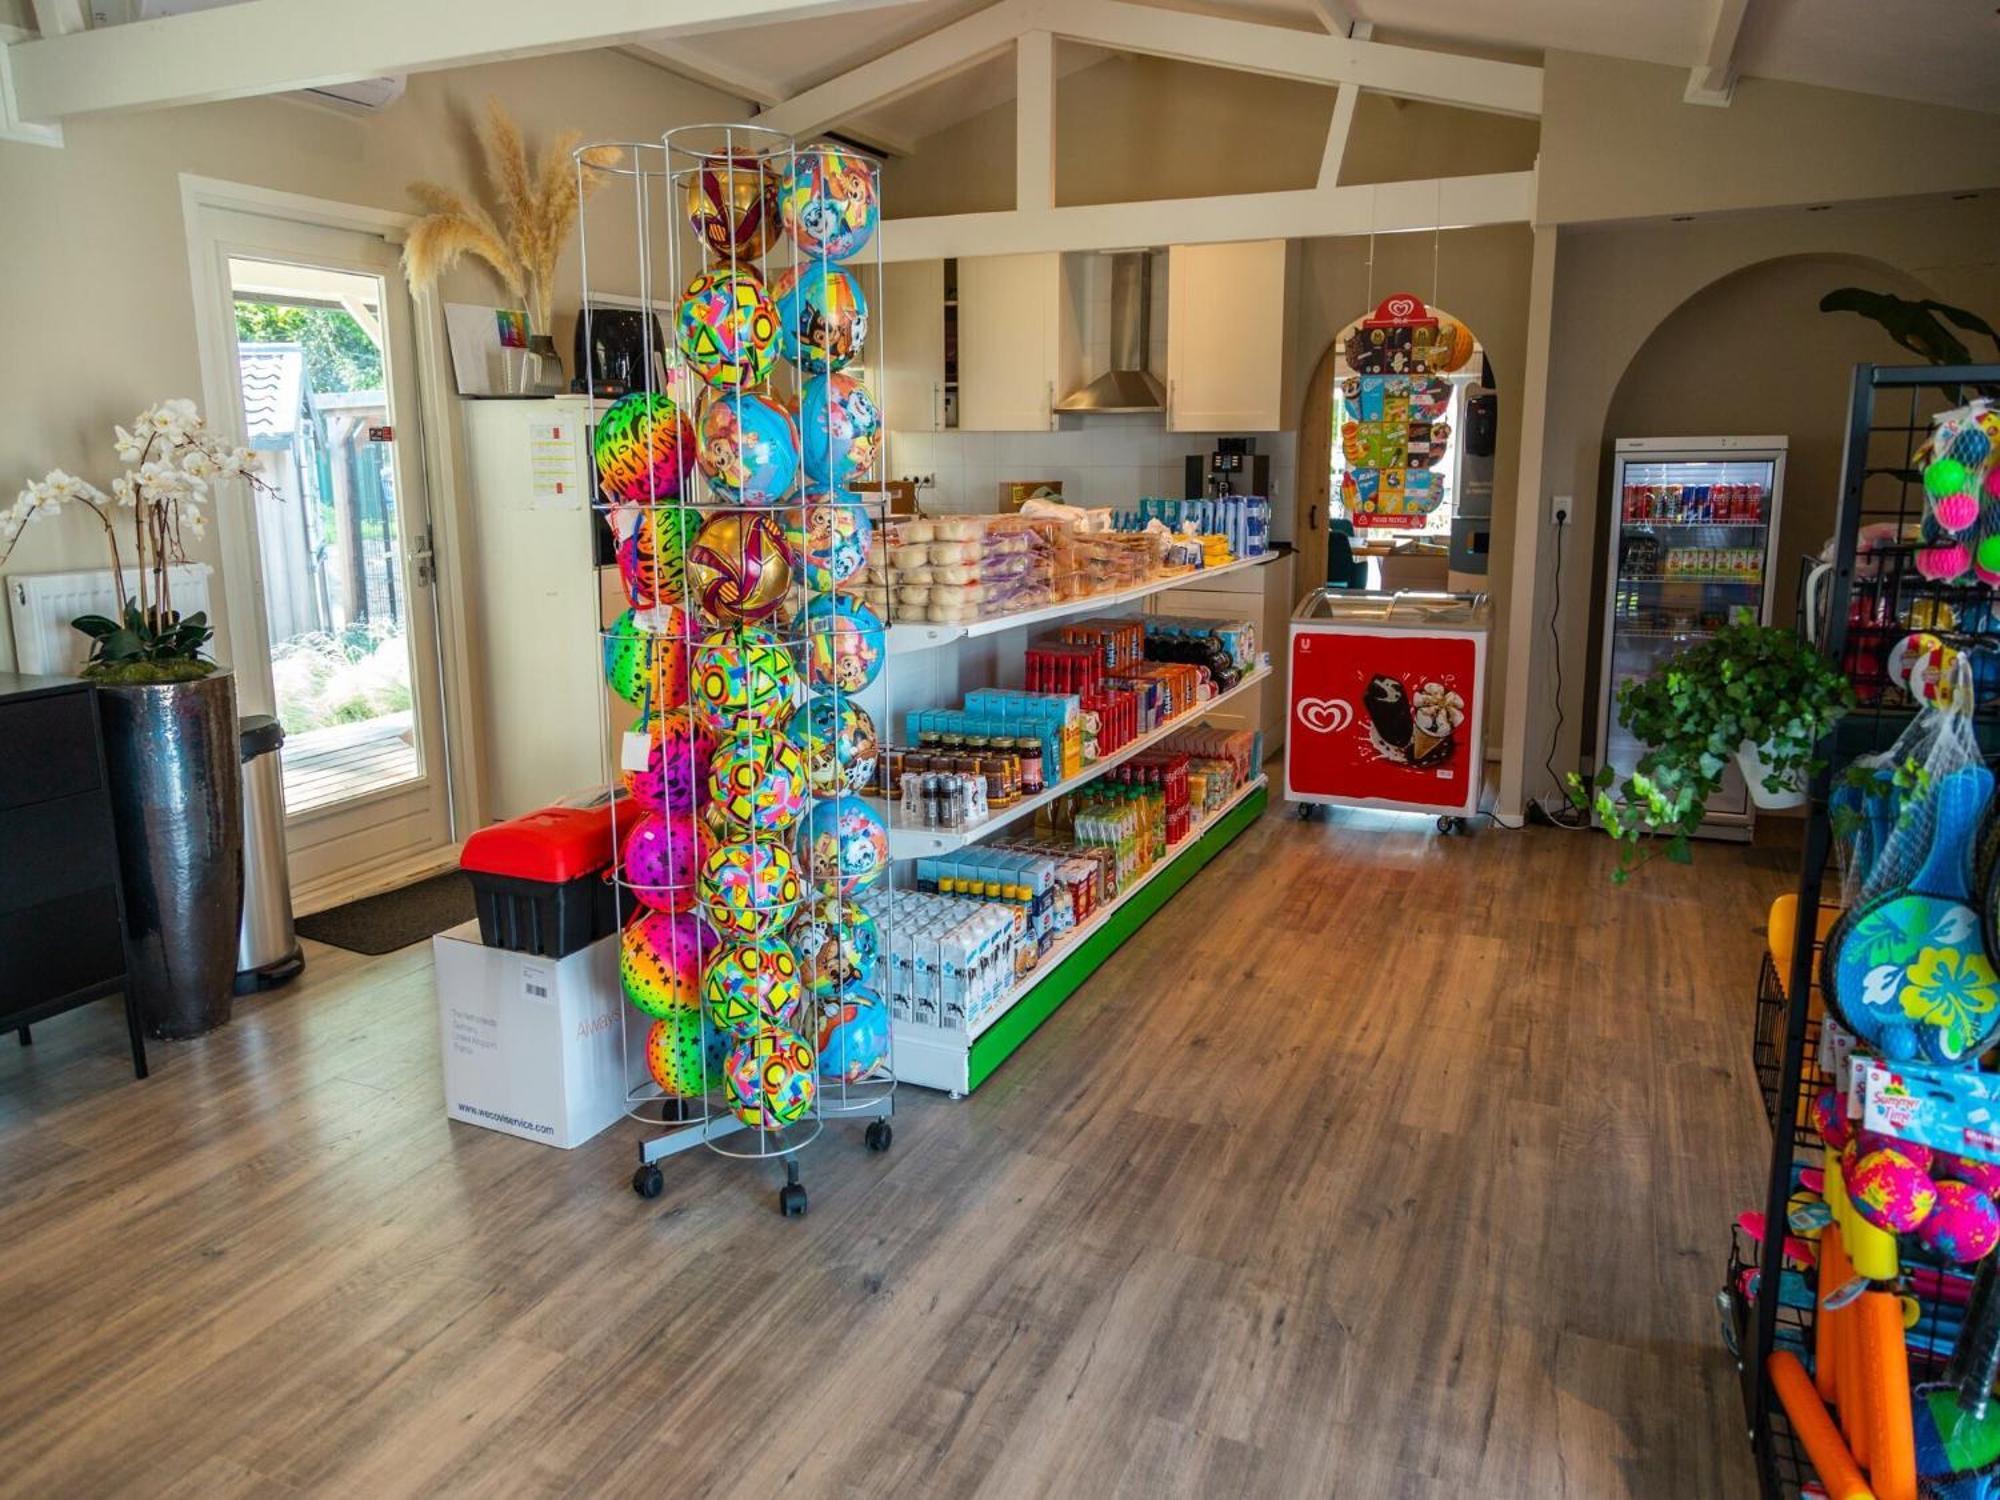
41, 605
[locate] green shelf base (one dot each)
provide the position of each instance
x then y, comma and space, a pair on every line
995, 1046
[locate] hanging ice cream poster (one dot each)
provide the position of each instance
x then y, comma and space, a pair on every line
1394, 402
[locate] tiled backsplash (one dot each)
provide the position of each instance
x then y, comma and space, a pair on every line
1100, 459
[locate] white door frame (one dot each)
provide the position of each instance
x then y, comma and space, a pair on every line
437, 453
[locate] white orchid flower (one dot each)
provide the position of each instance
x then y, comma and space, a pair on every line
240, 461
123, 491
129, 446
198, 463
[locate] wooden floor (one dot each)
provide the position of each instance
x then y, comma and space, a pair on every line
1379, 1165
328, 766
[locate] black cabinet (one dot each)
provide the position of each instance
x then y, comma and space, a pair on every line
62, 930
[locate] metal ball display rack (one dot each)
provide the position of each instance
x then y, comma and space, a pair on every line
731, 623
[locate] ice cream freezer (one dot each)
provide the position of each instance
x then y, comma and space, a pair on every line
1388, 702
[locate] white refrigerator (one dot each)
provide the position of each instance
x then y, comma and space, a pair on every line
1694, 522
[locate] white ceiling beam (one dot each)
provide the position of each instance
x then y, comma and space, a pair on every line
12, 127
1306, 213
1035, 121
58, 17
1342, 124
1713, 81
1338, 18
948, 51
690, 63
275, 46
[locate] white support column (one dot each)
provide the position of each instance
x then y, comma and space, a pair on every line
1713, 80
1342, 122
12, 127
1035, 121
58, 17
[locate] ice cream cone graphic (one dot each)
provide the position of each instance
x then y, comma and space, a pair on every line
1434, 717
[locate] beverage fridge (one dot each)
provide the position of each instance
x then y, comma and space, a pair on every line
1694, 522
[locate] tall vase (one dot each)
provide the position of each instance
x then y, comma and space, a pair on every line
177, 804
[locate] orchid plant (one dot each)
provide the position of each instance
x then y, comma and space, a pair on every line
174, 463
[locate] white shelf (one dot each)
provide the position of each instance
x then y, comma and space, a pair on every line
912, 841
907, 638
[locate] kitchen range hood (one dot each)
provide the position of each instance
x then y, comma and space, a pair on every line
1128, 385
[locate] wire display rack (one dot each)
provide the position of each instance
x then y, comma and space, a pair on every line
1857, 603
745, 667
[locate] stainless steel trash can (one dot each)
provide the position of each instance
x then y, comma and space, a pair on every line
267, 950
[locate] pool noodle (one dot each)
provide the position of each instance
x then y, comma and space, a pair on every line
1833, 1271
1885, 1372
1807, 1414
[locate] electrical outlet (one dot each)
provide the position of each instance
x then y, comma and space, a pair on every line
1562, 510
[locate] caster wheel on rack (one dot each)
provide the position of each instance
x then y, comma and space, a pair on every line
648, 1181
792, 1200
1451, 826
879, 1136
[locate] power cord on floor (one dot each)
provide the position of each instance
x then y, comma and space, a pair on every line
1568, 816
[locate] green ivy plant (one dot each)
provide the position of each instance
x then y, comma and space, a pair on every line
147, 645
1746, 682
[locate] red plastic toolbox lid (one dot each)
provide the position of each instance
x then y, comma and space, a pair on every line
553, 845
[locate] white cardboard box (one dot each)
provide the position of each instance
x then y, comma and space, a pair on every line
533, 1046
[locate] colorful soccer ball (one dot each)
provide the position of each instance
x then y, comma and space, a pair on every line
684, 1054
758, 779
748, 447
1890, 1191
1829, 1116
853, 1035
840, 428
744, 673
830, 539
732, 202
1963, 1224
822, 316
838, 945
641, 445
652, 552
845, 644
646, 656
831, 203
770, 1078
676, 775
749, 888
728, 329
1984, 1175
737, 567
753, 984
662, 859
847, 846
836, 737
661, 958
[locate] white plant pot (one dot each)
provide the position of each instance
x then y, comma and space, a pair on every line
1750, 760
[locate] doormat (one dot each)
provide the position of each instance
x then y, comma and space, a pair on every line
395, 919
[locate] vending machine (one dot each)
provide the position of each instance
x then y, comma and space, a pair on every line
1694, 522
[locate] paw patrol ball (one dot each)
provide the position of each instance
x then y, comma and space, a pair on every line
684, 1054
1984, 1175
830, 202
661, 958
838, 945
853, 1035
769, 1074
1963, 1225
847, 846
758, 779
830, 539
845, 643
822, 316
840, 428
646, 657
748, 888
751, 985
744, 673
1890, 1191
836, 737
727, 328
678, 749
747, 446
662, 859
737, 567
641, 445
732, 202
652, 552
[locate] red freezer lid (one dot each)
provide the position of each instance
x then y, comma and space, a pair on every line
553, 845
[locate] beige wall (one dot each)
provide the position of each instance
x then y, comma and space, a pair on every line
97, 297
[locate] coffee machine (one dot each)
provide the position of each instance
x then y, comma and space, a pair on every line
1234, 468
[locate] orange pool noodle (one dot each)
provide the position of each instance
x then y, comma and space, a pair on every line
1884, 1368
1833, 1271
1830, 1459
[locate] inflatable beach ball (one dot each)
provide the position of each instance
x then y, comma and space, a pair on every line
652, 553
732, 202
727, 328
748, 447
678, 747
748, 888
646, 656
757, 779
822, 316
836, 737
661, 959
830, 201
830, 537
738, 568
845, 643
853, 1035
685, 1054
662, 859
838, 945
744, 673
641, 445
770, 1078
847, 846
840, 429
752, 985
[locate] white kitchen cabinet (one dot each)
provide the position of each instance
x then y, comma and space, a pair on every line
1018, 342
911, 317
1229, 330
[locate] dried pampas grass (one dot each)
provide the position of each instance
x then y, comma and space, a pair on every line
538, 202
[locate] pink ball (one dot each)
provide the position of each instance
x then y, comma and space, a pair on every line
663, 855
1992, 484
1963, 1225
1890, 1191
1984, 1175
1868, 1142
1956, 513
1942, 564
1829, 1115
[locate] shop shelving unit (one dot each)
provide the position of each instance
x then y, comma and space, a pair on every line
1868, 602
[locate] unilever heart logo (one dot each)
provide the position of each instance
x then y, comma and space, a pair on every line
1325, 715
